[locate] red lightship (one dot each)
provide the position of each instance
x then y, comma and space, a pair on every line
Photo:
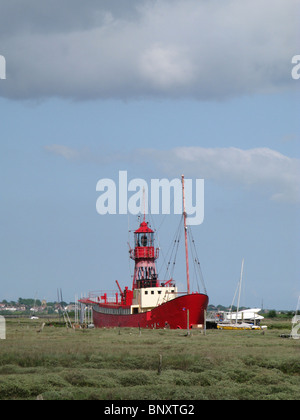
151, 303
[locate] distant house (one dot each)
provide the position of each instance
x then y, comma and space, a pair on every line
33, 309
11, 308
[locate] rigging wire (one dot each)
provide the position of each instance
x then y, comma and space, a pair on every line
196, 260
165, 256
171, 256
173, 249
179, 235
157, 238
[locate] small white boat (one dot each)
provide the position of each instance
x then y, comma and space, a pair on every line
239, 326
247, 319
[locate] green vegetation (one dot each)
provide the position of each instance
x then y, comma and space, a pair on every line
110, 364
30, 306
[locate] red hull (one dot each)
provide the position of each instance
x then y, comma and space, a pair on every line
172, 314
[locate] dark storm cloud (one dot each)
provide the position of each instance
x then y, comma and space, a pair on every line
131, 49
40, 16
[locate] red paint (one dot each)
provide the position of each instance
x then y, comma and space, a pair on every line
172, 314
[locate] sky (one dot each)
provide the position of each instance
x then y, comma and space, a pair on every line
156, 88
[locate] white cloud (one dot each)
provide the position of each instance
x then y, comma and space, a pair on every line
193, 48
64, 151
85, 155
166, 67
261, 169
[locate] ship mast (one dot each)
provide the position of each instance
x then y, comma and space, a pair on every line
240, 288
186, 241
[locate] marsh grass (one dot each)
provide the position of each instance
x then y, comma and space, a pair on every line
101, 364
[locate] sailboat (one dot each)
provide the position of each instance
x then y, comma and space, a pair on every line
247, 319
150, 303
296, 323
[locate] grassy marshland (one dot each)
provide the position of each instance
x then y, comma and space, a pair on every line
111, 364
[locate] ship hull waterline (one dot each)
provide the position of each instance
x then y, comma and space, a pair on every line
179, 313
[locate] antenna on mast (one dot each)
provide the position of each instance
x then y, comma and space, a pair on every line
186, 241
144, 203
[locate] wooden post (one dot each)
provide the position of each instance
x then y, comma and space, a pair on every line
159, 365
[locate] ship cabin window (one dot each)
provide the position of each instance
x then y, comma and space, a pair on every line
159, 292
152, 292
146, 292
144, 239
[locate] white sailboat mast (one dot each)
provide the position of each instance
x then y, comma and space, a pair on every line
240, 288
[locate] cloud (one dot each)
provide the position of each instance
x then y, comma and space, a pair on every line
166, 67
261, 169
63, 151
100, 157
207, 50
